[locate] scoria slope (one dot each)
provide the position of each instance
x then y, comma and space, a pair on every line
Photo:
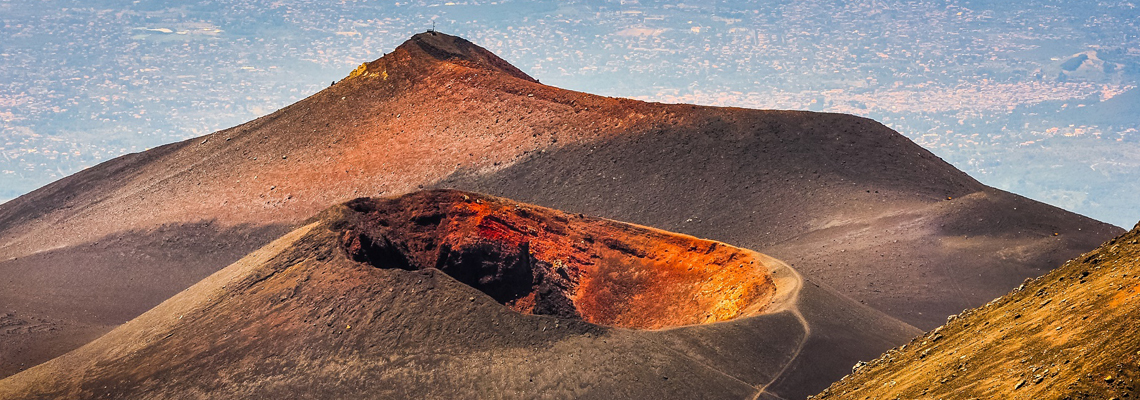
1070, 334
446, 294
843, 198
97, 248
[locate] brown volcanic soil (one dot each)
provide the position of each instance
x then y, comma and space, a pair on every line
59, 299
1070, 334
842, 198
350, 306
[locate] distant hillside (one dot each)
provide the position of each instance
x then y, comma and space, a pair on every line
1083, 66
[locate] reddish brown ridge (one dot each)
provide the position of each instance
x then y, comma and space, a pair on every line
542, 261
435, 106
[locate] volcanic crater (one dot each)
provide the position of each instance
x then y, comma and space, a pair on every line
545, 262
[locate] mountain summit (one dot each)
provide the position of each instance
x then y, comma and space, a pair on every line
423, 51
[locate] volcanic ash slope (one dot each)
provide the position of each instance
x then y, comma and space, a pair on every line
1070, 334
446, 294
843, 199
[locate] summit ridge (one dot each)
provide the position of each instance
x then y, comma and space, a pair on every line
424, 51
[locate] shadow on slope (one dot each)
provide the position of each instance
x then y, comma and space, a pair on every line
845, 200
59, 299
300, 317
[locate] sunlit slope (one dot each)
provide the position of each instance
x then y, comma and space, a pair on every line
1070, 334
